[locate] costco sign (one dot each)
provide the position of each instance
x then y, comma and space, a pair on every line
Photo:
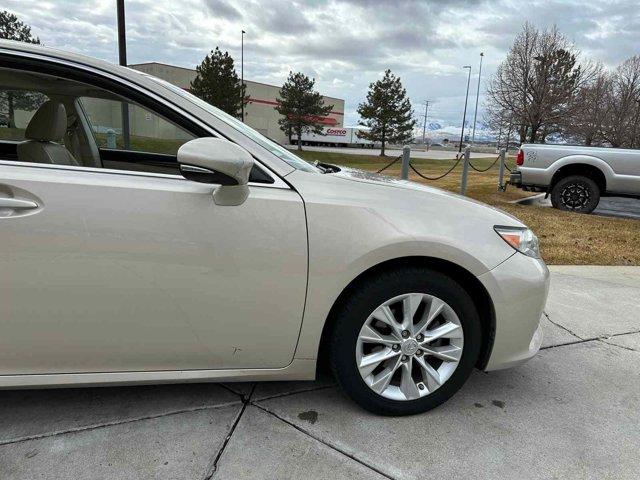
338, 132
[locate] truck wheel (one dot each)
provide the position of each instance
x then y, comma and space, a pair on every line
575, 194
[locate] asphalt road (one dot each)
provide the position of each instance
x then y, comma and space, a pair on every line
573, 412
608, 206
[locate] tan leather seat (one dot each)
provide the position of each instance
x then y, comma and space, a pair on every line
47, 126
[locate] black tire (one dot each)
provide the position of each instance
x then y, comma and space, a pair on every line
364, 300
575, 193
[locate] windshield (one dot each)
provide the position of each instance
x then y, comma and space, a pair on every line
278, 150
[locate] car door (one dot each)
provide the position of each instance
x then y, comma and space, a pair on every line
113, 270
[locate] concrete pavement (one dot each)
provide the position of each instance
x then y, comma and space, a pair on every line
572, 412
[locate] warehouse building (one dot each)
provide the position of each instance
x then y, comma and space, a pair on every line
260, 112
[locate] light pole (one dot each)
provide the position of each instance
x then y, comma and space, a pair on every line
464, 115
475, 115
242, 71
122, 58
424, 125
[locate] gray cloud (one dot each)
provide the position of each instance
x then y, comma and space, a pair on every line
344, 44
222, 9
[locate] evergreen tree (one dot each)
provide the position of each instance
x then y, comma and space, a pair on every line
387, 112
217, 83
12, 28
301, 107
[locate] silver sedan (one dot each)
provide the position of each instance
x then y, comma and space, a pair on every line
147, 237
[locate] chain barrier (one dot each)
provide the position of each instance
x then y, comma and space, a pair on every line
486, 169
458, 158
395, 160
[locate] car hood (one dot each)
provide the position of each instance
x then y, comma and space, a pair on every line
384, 180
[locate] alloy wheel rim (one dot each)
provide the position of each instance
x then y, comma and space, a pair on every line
575, 196
409, 346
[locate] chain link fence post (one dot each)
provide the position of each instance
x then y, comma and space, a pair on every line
503, 156
406, 158
465, 171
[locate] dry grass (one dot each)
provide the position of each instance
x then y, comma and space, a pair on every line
566, 238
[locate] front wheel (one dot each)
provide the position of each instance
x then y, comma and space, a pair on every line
405, 341
576, 193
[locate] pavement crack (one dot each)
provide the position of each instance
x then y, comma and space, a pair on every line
604, 340
325, 443
114, 423
295, 392
562, 326
600, 338
213, 468
242, 396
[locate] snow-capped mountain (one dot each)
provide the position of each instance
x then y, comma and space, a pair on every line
438, 130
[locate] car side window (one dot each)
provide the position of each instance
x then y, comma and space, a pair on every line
52, 119
17, 107
147, 131
131, 137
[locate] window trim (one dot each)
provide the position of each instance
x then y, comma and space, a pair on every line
29, 62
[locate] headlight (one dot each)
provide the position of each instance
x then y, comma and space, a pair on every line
520, 238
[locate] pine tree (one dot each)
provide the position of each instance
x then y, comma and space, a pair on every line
12, 28
301, 107
387, 112
217, 83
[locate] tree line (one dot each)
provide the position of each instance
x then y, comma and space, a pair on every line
542, 91
386, 113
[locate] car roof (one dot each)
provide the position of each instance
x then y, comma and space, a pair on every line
77, 58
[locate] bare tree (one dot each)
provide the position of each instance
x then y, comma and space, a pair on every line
587, 123
622, 123
538, 82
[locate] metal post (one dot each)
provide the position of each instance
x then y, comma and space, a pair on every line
475, 115
464, 115
122, 57
501, 185
406, 157
465, 171
111, 139
242, 71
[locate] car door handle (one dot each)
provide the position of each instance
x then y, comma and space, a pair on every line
17, 204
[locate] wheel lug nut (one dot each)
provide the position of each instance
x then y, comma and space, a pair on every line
419, 352
420, 337
396, 348
405, 333
404, 358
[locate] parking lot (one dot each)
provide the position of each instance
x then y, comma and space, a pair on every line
572, 412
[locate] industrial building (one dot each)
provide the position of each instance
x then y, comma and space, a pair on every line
260, 112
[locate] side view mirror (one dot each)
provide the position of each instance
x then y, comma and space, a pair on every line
217, 161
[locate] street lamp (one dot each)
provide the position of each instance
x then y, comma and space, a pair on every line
475, 115
464, 115
242, 71
424, 125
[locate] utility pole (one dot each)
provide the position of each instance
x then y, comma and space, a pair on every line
464, 115
242, 70
475, 115
122, 57
424, 126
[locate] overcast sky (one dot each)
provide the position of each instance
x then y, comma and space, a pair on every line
344, 45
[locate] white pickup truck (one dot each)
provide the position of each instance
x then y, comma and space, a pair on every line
576, 177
